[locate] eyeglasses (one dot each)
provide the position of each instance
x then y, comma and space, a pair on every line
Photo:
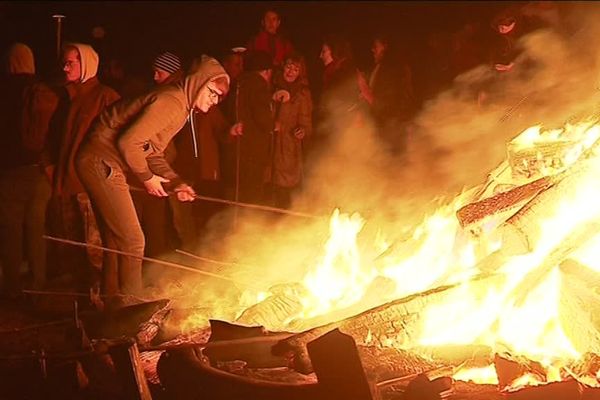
213, 94
69, 63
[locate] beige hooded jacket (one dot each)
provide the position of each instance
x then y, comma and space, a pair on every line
134, 133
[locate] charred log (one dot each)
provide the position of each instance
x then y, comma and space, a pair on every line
388, 363
272, 312
506, 203
466, 356
122, 322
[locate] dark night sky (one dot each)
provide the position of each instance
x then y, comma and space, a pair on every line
138, 30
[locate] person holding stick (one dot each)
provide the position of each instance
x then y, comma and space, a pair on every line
254, 128
127, 144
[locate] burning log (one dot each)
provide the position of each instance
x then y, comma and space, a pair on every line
537, 159
502, 204
466, 356
276, 309
397, 321
388, 363
509, 368
122, 322
588, 365
574, 270
149, 330
522, 232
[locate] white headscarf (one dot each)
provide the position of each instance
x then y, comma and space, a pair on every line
89, 60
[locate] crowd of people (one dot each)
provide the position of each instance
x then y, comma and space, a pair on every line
108, 161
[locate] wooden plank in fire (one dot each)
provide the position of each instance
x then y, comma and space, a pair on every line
521, 232
538, 159
394, 322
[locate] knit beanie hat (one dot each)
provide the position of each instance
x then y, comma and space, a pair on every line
167, 62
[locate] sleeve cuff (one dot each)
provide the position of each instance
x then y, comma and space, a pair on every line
144, 176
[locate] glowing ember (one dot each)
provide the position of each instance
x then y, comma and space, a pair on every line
485, 375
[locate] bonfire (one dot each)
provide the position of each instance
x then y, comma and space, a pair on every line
499, 285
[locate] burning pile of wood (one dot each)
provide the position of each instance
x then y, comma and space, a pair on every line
513, 205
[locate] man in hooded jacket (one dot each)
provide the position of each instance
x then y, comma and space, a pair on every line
85, 97
128, 141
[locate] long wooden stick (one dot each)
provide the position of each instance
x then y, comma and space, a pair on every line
149, 259
257, 207
245, 205
208, 260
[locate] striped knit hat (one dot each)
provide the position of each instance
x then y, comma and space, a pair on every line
167, 62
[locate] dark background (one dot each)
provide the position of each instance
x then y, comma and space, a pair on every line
137, 31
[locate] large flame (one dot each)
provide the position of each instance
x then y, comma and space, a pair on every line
504, 316
442, 252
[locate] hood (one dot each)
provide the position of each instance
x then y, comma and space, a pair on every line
89, 60
200, 73
20, 60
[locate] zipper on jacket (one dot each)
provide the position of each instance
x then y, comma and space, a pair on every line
191, 118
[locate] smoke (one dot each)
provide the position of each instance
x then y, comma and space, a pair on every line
461, 135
